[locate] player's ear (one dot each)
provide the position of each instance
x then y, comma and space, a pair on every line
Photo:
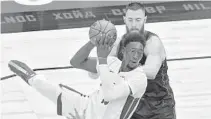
123, 51
124, 19
145, 19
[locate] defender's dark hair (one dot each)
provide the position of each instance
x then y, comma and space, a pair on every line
135, 6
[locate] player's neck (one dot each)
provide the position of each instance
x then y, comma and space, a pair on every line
125, 68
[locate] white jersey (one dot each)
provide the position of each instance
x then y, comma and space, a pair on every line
115, 101
123, 107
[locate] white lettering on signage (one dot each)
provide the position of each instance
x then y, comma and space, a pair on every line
68, 15
190, 7
57, 16
19, 19
75, 14
89, 14
30, 18
160, 9
156, 9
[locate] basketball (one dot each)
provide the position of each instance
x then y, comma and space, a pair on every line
102, 27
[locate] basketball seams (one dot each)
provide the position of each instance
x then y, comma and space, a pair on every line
96, 29
109, 31
95, 35
99, 31
102, 26
106, 26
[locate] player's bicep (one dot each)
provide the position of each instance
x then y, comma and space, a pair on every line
89, 65
155, 57
152, 66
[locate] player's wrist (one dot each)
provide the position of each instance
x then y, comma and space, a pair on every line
91, 44
102, 60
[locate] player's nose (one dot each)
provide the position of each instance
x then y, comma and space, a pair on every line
135, 57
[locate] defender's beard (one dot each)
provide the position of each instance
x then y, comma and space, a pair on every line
140, 31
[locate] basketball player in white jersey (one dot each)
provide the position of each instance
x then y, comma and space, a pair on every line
158, 100
122, 82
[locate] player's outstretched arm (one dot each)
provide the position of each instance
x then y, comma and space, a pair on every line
81, 59
155, 53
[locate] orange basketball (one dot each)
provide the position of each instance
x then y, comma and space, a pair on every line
102, 27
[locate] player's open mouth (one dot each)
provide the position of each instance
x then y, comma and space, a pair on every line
134, 62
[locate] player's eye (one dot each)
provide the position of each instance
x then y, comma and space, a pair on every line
139, 19
130, 20
133, 51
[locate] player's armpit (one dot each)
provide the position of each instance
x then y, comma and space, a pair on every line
155, 54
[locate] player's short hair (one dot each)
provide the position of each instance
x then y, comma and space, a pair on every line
135, 6
133, 37
127, 38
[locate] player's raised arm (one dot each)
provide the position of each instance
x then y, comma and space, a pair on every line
100, 32
81, 59
155, 54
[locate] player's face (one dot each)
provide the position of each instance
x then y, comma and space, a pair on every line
133, 53
134, 20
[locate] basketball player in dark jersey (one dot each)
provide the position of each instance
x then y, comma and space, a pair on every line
158, 101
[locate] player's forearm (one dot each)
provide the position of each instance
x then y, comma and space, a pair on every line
82, 54
104, 72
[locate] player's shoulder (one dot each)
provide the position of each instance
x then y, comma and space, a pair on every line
149, 34
152, 39
114, 63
